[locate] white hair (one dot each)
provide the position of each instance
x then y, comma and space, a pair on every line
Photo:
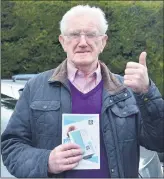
96, 12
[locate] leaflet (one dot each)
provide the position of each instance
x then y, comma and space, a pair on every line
83, 129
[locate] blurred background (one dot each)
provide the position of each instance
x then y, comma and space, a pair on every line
30, 31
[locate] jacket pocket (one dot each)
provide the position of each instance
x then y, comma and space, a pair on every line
126, 111
46, 116
125, 121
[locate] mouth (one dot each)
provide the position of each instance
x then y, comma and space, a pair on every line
85, 52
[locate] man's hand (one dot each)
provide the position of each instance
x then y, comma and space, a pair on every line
64, 157
136, 75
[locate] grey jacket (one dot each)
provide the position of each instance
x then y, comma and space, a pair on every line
128, 120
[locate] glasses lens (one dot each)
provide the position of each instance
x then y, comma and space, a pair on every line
88, 36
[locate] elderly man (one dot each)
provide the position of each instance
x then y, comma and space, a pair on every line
130, 108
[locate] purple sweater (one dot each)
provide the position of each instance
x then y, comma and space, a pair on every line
89, 103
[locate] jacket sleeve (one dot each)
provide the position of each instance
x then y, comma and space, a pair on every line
19, 156
151, 107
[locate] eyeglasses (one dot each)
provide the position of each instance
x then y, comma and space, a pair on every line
88, 36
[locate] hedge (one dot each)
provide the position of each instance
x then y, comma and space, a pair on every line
30, 31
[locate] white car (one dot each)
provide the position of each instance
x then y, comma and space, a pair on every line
13, 87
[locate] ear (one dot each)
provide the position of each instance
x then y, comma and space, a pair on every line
61, 40
104, 41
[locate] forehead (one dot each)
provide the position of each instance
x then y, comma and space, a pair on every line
82, 23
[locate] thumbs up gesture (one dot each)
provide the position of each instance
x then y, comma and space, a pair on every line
136, 75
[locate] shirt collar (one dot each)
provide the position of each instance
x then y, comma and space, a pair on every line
72, 72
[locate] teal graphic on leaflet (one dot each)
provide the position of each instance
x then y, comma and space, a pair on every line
73, 119
77, 138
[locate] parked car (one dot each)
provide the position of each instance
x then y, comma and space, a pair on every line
13, 87
149, 166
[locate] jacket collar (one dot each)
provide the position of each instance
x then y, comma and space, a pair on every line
111, 83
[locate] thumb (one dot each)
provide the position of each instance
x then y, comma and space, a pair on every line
142, 58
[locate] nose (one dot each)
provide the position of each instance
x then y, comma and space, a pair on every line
82, 41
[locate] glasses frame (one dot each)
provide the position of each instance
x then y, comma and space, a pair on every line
88, 36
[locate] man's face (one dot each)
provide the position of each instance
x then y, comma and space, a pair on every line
82, 41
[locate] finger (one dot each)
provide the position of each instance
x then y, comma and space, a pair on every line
130, 83
133, 65
132, 71
72, 152
136, 77
130, 77
69, 167
71, 160
126, 77
142, 58
68, 146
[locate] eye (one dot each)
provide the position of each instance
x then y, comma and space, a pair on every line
74, 34
91, 35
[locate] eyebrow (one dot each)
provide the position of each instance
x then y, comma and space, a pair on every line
85, 31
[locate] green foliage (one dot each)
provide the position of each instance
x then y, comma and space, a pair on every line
30, 31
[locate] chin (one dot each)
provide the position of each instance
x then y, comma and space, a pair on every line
83, 61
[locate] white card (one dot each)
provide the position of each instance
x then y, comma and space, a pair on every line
84, 130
